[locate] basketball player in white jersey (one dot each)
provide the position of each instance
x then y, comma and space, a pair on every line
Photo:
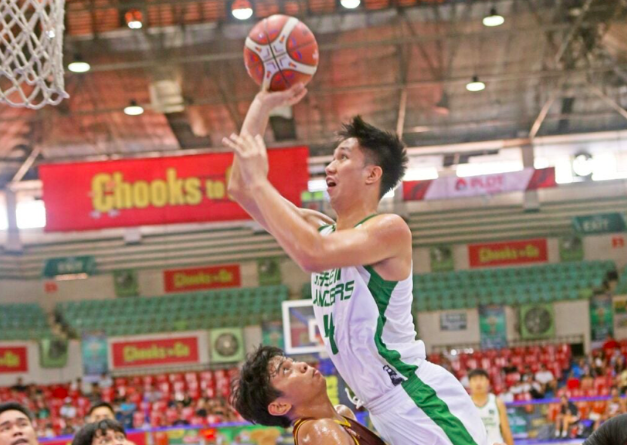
492, 409
361, 269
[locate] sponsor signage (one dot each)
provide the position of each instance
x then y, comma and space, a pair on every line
450, 187
453, 321
154, 352
167, 190
213, 277
13, 359
492, 327
75, 265
601, 223
508, 253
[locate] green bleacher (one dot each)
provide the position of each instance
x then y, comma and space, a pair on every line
181, 312
20, 321
510, 286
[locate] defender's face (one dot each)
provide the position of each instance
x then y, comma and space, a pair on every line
101, 413
479, 385
346, 172
297, 381
16, 429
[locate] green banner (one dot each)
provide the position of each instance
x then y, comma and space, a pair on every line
272, 332
492, 327
442, 259
227, 345
601, 223
571, 248
53, 352
537, 321
126, 283
620, 311
269, 272
601, 318
85, 264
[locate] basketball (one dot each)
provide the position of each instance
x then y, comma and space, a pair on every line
280, 51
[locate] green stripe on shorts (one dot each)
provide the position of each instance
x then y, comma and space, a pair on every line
422, 394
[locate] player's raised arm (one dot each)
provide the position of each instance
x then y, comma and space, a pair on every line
385, 237
255, 124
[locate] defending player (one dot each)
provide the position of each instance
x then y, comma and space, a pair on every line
361, 278
492, 409
273, 390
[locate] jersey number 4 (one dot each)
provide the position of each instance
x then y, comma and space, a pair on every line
329, 332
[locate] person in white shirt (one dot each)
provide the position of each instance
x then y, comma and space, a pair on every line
491, 409
68, 411
546, 378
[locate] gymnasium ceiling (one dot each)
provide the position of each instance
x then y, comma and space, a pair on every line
558, 63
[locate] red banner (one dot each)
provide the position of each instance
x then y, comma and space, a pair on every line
180, 280
155, 352
168, 190
13, 359
508, 253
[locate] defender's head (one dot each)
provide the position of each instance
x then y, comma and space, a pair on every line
271, 387
367, 160
103, 432
16, 425
479, 381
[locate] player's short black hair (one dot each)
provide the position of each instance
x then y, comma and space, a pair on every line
478, 373
252, 392
14, 406
382, 148
100, 404
85, 436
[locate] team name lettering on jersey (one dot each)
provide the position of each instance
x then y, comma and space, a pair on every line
327, 288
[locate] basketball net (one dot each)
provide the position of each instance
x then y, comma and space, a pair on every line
31, 53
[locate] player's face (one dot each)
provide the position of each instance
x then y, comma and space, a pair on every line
16, 429
347, 171
479, 385
297, 381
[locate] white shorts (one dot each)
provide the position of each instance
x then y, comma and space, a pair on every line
430, 408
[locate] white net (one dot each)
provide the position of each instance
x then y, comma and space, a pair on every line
31, 53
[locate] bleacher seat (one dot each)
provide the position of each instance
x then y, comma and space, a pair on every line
19, 321
181, 312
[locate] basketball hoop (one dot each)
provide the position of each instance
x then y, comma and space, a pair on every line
31, 53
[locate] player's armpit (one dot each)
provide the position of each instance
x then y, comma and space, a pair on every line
382, 238
323, 432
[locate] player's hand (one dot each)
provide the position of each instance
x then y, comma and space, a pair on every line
273, 99
252, 157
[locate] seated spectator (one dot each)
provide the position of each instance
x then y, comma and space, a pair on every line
587, 383
566, 418
104, 432
68, 410
201, 408
20, 386
105, 381
580, 368
546, 378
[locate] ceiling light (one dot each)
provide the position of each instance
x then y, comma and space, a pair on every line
133, 109
583, 165
79, 65
494, 19
350, 4
242, 9
475, 85
133, 18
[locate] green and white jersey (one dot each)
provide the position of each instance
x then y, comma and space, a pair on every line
368, 327
491, 419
